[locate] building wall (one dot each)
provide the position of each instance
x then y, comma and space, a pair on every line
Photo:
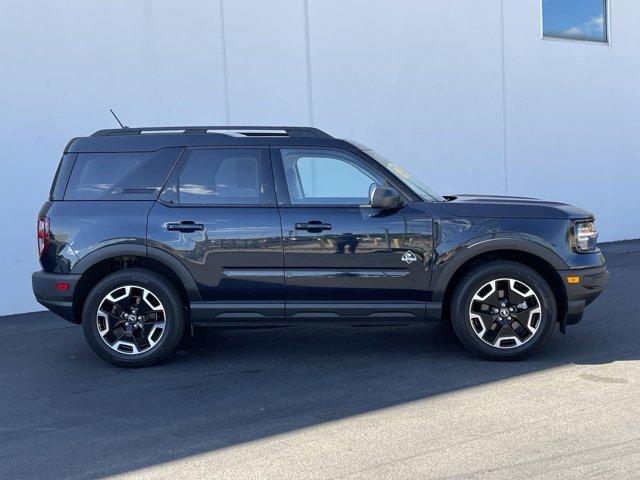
463, 92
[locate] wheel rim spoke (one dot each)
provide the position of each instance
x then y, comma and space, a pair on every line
140, 339
518, 292
492, 333
520, 329
151, 318
131, 319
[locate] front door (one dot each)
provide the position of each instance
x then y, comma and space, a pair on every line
217, 215
343, 259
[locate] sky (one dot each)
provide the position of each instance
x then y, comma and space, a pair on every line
577, 19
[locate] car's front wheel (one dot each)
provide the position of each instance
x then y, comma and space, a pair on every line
503, 310
133, 317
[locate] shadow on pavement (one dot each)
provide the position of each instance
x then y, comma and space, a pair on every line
65, 413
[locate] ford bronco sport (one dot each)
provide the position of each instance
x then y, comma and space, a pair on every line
148, 231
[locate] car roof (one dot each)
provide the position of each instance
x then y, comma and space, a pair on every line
145, 139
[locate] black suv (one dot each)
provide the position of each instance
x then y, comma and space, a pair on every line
149, 231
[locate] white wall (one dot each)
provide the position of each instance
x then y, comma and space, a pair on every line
428, 83
572, 110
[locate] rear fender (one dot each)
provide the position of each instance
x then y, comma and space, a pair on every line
165, 258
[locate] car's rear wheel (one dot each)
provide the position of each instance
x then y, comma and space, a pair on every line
503, 310
133, 317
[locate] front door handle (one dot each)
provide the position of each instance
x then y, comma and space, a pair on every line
187, 226
313, 226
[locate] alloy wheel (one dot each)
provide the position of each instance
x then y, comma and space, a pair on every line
131, 319
505, 313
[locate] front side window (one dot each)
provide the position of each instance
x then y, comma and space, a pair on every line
316, 177
221, 176
575, 20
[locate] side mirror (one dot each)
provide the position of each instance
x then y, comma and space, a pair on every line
385, 198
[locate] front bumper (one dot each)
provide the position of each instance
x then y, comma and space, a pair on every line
592, 282
47, 294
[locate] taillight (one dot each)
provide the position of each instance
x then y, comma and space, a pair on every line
44, 234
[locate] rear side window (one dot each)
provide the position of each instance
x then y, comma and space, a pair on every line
120, 176
62, 176
220, 176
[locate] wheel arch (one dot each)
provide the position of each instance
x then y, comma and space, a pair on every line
96, 265
541, 259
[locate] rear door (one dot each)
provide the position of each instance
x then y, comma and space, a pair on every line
217, 215
343, 259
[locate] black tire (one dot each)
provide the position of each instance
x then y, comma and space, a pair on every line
165, 292
479, 276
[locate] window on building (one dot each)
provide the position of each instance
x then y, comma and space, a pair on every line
575, 19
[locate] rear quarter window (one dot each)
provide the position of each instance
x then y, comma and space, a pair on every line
62, 176
120, 176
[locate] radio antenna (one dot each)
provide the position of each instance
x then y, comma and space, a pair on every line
117, 119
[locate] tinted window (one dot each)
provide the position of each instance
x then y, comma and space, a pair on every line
62, 176
217, 177
120, 176
575, 19
327, 177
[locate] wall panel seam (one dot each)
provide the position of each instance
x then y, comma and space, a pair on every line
504, 102
225, 68
307, 34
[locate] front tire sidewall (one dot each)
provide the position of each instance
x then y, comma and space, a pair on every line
479, 277
166, 293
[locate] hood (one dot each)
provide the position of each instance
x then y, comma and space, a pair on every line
503, 206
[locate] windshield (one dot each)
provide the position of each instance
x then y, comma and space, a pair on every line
411, 181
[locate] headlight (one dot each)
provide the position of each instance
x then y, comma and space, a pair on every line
585, 236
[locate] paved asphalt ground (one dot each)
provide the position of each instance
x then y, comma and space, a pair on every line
404, 402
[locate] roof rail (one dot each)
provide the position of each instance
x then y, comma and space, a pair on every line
224, 130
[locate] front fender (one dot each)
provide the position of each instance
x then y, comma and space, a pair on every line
447, 262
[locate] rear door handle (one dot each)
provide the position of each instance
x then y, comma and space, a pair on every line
313, 226
187, 226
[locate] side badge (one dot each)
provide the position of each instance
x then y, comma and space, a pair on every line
409, 257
